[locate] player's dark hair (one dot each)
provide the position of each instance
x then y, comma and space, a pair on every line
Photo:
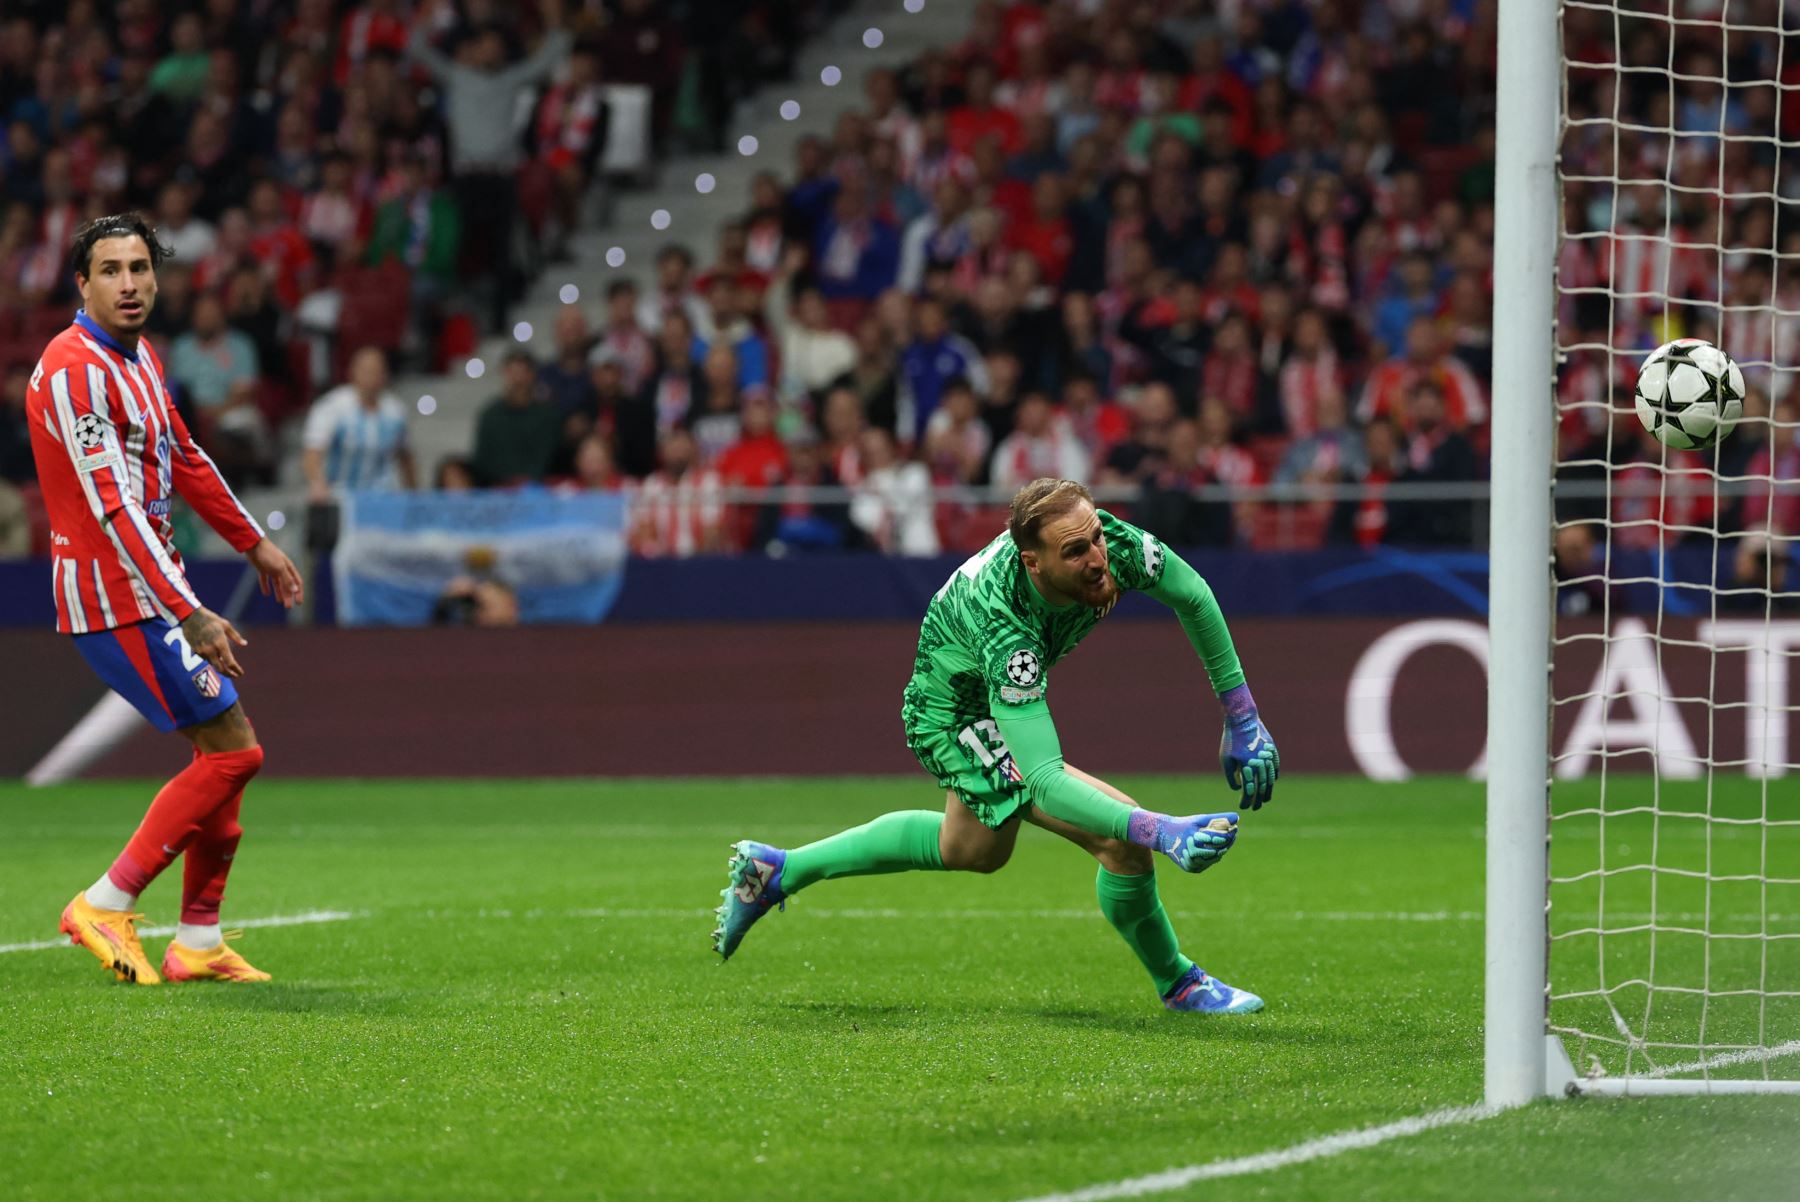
1037, 503
118, 225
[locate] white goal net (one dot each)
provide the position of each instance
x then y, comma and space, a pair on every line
1674, 899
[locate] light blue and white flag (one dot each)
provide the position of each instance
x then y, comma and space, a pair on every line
562, 555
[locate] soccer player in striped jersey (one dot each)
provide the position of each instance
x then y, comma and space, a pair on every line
977, 716
112, 452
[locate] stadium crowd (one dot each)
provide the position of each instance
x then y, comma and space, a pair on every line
1153, 246
331, 175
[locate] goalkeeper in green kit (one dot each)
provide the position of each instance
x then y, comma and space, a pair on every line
976, 714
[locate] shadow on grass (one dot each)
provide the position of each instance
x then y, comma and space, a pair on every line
302, 997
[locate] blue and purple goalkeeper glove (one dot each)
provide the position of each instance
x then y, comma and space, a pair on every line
1246, 750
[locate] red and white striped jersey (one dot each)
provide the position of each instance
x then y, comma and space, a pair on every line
676, 517
112, 452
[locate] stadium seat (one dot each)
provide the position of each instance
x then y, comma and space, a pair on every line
1290, 527
38, 515
377, 306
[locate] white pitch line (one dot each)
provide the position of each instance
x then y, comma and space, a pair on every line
1081, 915
1727, 1059
1264, 1162
276, 920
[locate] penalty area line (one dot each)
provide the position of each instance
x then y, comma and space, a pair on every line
1263, 1162
304, 918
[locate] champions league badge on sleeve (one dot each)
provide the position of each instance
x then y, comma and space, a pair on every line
1024, 677
89, 433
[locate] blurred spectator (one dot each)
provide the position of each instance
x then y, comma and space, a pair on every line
1760, 571
334, 220
640, 45
673, 392
355, 435
939, 234
1332, 453
189, 238
567, 380
893, 505
211, 357
1580, 574
622, 340
1232, 374
1364, 520
732, 329
239, 440
1392, 381
419, 227
843, 424
477, 601
674, 292
873, 378
15, 523
594, 470
278, 246
569, 128
800, 521
1309, 373
454, 474
16, 463
679, 510
252, 311
716, 421
181, 75
1659, 496
1042, 443
1414, 297
812, 353
516, 436
481, 97
858, 251
1098, 423
1434, 453
757, 458
1142, 453
1177, 349
957, 444
931, 360
1773, 506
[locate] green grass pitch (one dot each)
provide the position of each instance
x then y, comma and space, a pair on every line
522, 1005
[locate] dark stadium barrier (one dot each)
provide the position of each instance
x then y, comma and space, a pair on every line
1379, 697
1337, 582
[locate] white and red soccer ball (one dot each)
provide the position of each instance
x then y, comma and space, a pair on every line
1689, 394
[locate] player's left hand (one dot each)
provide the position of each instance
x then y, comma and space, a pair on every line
276, 573
1251, 762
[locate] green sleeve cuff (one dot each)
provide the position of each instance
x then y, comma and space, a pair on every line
1183, 590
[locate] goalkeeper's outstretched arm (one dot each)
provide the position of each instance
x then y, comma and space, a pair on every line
1246, 751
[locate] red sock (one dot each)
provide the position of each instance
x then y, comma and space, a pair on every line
180, 810
208, 863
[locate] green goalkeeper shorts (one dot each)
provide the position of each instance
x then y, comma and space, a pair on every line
975, 763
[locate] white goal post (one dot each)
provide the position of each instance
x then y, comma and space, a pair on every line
1643, 891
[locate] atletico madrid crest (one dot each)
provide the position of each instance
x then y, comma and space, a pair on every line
207, 681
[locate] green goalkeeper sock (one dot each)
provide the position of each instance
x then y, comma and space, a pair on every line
893, 842
1130, 903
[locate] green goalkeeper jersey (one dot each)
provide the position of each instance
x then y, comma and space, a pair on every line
990, 639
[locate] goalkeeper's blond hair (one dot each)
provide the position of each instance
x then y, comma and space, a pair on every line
1038, 502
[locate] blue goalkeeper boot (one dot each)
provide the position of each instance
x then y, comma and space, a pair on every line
1198, 841
1203, 994
754, 889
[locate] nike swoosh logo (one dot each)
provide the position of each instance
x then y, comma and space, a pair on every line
167, 850
1256, 742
